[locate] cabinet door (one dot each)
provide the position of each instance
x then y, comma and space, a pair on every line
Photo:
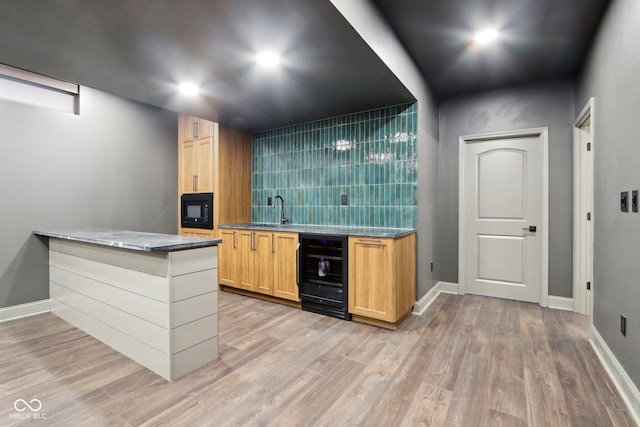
371, 286
188, 166
263, 252
192, 128
228, 258
246, 260
186, 127
204, 166
285, 266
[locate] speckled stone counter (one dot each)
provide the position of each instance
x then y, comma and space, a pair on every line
152, 297
327, 229
134, 240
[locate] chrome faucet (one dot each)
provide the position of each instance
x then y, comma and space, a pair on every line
283, 220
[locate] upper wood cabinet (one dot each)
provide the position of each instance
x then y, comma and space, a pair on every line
215, 159
196, 166
382, 279
192, 128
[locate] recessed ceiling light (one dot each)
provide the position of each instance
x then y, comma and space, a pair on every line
268, 59
486, 36
188, 88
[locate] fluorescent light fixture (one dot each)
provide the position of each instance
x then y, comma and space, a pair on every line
268, 59
486, 36
188, 88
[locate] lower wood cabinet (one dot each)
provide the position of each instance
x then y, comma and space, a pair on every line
382, 279
382, 271
247, 261
285, 266
228, 258
263, 257
259, 261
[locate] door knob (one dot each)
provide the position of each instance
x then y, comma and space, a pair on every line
531, 228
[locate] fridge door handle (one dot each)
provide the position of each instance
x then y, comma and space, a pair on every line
298, 265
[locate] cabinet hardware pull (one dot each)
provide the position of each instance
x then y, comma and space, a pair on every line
195, 130
370, 240
273, 238
253, 241
196, 186
234, 239
193, 182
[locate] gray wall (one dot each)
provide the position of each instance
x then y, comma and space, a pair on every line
112, 166
551, 105
612, 76
377, 33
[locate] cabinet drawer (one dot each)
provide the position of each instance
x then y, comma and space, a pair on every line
321, 291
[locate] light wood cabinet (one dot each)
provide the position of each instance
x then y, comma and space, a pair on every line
192, 128
285, 266
215, 159
196, 232
259, 261
228, 259
382, 279
196, 166
246, 261
264, 250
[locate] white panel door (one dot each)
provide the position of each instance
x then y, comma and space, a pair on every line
502, 200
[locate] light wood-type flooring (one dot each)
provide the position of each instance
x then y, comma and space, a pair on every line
468, 361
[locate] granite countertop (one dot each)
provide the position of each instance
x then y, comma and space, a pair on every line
134, 240
326, 229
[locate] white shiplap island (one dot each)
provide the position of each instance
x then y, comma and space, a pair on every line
152, 297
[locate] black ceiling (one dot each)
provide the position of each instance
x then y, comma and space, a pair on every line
140, 49
539, 40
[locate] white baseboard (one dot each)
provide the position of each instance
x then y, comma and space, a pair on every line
441, 287
618, 375
24, 310
560, 303
449, 288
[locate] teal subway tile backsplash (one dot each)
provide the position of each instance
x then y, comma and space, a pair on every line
369, 156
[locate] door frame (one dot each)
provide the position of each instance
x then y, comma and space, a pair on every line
583, 183
543, 230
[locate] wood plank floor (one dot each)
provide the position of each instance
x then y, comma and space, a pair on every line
468, 361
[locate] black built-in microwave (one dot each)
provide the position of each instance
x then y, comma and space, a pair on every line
197, 210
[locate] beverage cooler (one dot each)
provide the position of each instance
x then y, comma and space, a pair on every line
323, 270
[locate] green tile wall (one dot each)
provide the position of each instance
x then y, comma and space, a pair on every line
370, 156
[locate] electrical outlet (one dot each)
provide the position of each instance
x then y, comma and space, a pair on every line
624, 201
344, 199
623, 325
269, 201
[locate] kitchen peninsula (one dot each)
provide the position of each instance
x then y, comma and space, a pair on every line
152, 297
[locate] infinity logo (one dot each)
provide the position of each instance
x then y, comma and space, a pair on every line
21, 405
